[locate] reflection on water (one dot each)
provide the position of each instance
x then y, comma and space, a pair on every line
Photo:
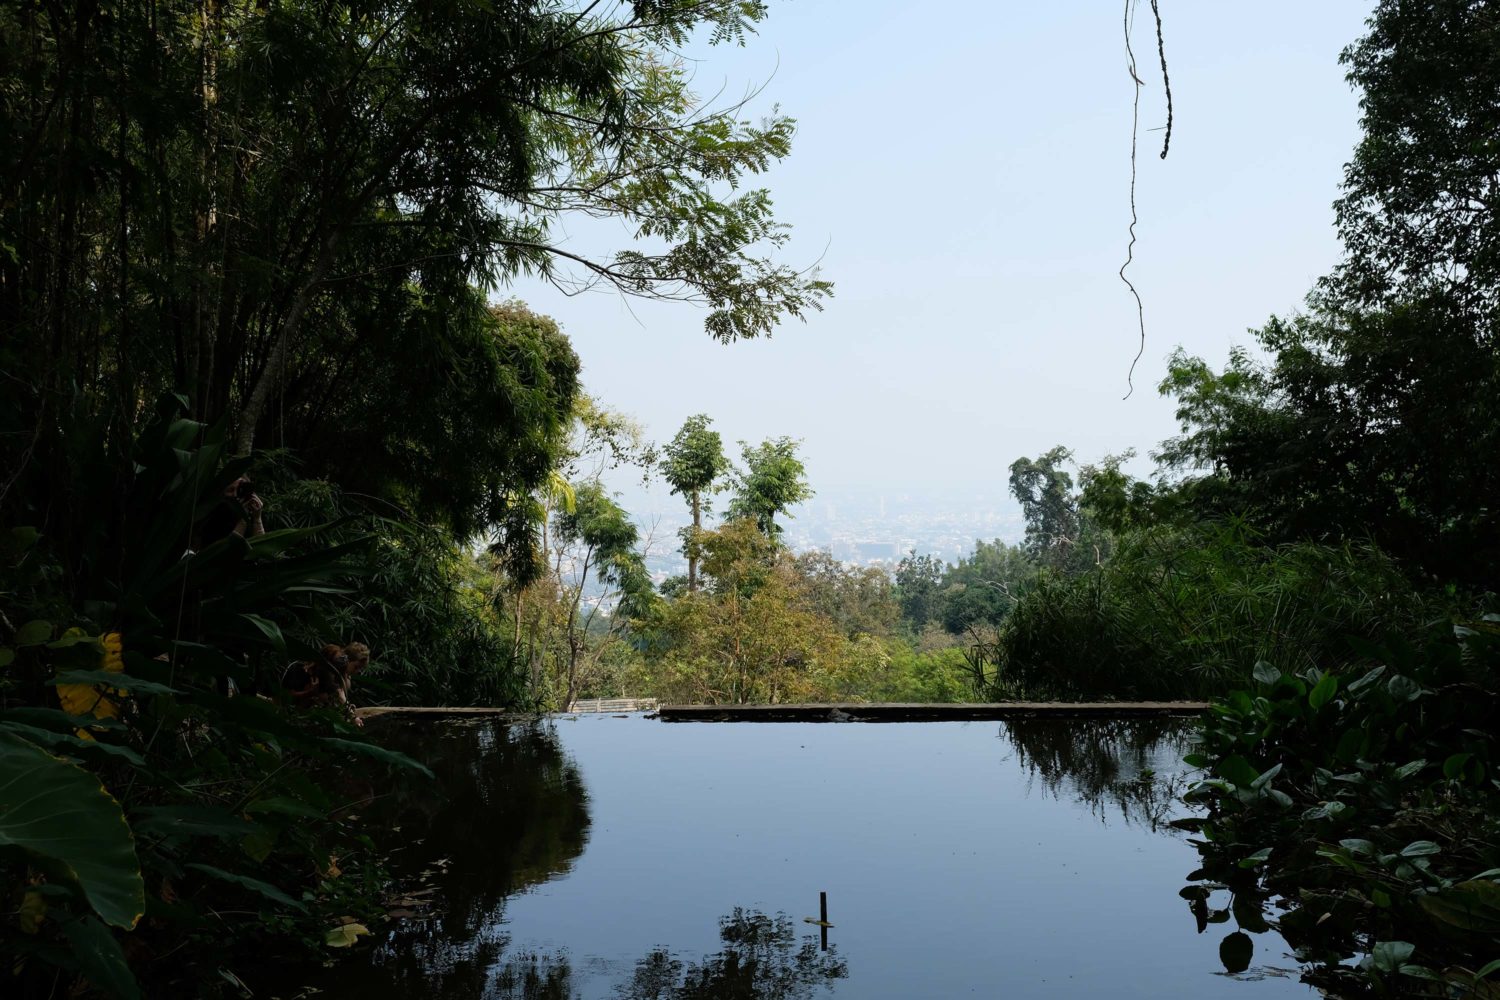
1120, 768
761, 960
528, 976
508, 811
623, 859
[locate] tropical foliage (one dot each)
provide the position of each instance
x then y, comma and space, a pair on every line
133, 786
247, 260
1363, 800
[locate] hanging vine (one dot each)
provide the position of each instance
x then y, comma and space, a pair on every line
1135, 121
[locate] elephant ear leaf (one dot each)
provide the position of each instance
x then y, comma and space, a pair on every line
100, 958
60, 811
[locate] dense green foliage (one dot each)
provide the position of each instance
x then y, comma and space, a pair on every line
219, 803
772, 481
1363, 800
1417, 213
1380, 424
260, 240
225, 226
1350, 794
1177, 610
692, 463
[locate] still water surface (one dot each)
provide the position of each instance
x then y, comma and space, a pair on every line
609, 857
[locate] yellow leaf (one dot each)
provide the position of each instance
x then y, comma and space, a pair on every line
114, 647
93, 699
344, 935
32, 912
258, 842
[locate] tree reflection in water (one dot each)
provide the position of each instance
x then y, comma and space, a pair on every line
508, 811
762, 959
1125, 767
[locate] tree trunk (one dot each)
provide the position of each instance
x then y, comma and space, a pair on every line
274, 372
575, 641
693, 545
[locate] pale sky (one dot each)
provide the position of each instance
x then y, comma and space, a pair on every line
963, 172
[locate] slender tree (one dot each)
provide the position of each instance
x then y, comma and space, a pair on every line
1045, 491
605, 542
694, 462
773, 481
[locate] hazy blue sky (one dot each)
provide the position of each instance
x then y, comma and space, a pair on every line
963, 171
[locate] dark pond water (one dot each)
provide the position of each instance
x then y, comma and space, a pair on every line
629, 858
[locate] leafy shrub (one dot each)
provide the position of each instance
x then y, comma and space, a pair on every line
1364, 801
1181, 613
200, 823
425, 606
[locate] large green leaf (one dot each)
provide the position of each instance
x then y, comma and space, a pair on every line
74, 744
378, 752
1266, 673
287, 807
100, 958
274, 543
125, 682
61, 811
1472, 906
1388, 956
1319, 695
267, 580
1238, 770
57, 720
190, 821
254, 884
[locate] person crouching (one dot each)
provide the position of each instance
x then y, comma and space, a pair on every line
319, 681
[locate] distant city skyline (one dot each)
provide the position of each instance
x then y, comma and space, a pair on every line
869, 528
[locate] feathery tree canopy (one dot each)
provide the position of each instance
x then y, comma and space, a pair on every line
694, 460
773, 481
292, 213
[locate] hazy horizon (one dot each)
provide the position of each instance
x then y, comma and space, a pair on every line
965, 186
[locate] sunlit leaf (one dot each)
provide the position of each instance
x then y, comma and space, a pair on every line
344, 935
1388, 956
